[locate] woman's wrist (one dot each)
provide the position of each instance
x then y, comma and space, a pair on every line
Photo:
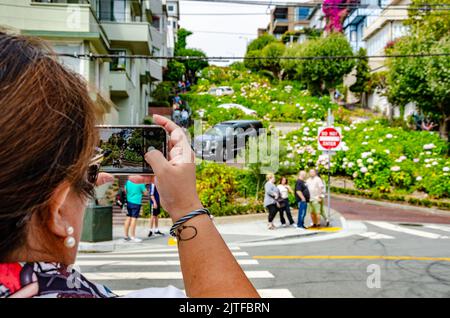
178, 212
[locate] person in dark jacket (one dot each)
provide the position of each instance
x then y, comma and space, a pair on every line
302, 197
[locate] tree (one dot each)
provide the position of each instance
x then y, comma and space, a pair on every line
185, 67
175, 71
323, 75
361, 86
290, 65
424, 81
193, 65
182, 36
272, 53
252, 62
260, 42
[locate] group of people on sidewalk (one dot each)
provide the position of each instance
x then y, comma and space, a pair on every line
130, 197
309, 196
181, 111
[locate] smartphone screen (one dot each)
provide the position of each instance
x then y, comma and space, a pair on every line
124, 147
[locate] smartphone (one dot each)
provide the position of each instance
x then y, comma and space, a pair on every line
122, 148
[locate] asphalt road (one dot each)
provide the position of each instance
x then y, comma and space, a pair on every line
385, 252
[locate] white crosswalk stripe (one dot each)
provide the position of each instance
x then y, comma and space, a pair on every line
438, 227
157, 275
113, 263
375, 236
406, 230
121, 268
140, 255
264, 293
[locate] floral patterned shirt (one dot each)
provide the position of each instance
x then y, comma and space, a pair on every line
53, 280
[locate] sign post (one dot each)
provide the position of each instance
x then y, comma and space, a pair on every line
329, 141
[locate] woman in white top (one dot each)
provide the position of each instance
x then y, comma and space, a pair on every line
285, 189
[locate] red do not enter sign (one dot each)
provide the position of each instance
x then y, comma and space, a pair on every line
329, 138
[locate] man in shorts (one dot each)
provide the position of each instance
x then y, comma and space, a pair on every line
155, 205
316, 189
134, 193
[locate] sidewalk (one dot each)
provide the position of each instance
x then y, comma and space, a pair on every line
234, 229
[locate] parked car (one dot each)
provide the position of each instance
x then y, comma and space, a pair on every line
246, 110
212, 145
221, 90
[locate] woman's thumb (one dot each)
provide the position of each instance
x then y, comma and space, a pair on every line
156, 160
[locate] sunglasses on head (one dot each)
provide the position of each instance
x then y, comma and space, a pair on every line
94, 169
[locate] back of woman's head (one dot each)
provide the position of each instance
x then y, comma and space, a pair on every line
47, 135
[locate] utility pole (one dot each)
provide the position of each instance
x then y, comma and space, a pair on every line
330, 123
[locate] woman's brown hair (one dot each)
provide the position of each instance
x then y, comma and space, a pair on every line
47, 134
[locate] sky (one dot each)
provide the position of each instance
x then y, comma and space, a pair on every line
234, 32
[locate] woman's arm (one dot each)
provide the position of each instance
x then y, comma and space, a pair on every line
209, 268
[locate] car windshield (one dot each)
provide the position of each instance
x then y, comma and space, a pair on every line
220, 130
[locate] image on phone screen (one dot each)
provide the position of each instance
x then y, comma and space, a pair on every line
124, 148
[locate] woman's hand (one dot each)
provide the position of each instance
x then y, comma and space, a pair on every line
175, 179
104, 178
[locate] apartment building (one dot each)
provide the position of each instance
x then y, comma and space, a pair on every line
120, 27
173, 10
288, 19
373, 25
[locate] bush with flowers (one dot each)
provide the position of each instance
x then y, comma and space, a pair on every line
279, 101
376, 156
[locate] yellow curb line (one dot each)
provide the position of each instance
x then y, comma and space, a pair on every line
326, 229
343, 257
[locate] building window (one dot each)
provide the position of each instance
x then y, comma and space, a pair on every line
301, 13
119, 63
112, 10
71, 63
170, 8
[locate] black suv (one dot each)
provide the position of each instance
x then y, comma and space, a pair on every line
223, 141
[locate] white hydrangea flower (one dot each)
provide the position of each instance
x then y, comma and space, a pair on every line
370, 160
419, 178
346, 128
395, 168
355, 174
389, 136
446, 169
387, 151
365, 143
363, 169
359, 161
350, 164
416, 160
380, 140
429, 146
434, 163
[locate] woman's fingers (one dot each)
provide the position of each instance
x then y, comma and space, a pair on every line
104, 178
168, 125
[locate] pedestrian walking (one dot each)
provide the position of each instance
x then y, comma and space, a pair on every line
134, 194
302, 197
155, 207
271, 194
284, 206
316, 189
121, 199
184, 118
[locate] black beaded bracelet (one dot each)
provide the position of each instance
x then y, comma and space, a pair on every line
178, 224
